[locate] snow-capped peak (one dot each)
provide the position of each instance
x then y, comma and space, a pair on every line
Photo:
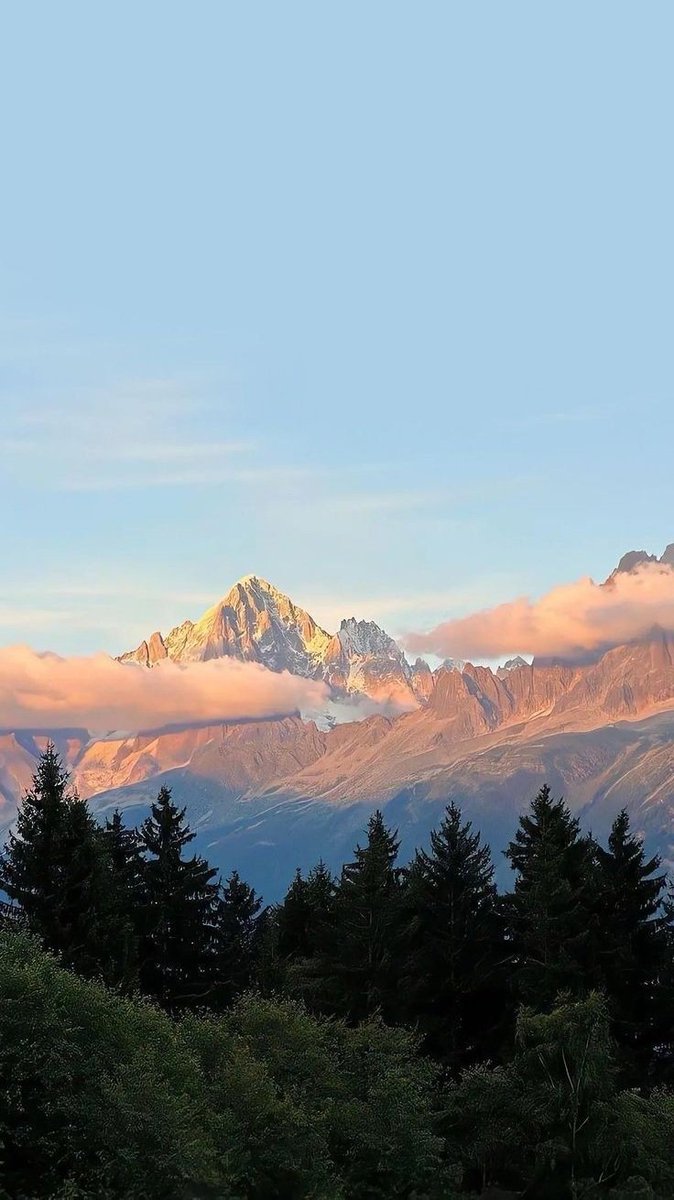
256, 622
363, 638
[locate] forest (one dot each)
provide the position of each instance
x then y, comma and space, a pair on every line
401, 1030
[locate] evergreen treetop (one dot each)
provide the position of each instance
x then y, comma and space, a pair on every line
178, 959
362, 934
552, 912
634, 949
56, 866
453, 947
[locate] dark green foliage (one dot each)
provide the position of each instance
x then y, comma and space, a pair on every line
106, 1097
634, 950
364, 1094
124, 851
552, 912
358, 965
292, 919
124, 848
178, 950
237, 937
305, 912
56, 865
102, 1096
301, 930
663, 1060
453, 984
553, 1120
97, 1090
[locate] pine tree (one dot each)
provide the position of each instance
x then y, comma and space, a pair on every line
634, 948
662, 1066
552, 913
358, 965
124, 848
453, 986
56, 865
292, 919
178, 954
321, 892
238, 928
305, 912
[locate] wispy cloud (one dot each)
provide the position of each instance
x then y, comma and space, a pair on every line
23, 617
571, 416
385, 502
138, 434
57, 590
167, 452
392, 610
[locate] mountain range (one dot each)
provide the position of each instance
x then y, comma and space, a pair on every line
268, 795
255, 622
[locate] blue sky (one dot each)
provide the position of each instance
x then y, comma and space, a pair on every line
374, 300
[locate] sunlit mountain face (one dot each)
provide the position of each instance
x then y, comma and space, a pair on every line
255, 622
268, 794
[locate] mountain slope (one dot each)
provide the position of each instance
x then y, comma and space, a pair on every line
602, 732
255, 622
271, 794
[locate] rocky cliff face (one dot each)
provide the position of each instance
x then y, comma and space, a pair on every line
257, 623
253, 622
636, 558
362, 659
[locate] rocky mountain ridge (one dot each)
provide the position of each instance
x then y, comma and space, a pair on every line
255, 622
635, 558
270, 794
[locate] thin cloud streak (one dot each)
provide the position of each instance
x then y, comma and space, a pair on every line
138, 435
329, 610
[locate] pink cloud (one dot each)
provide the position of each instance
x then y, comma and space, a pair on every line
101, 694
572, 619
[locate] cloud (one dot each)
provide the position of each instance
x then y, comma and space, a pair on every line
384, 502
138, 433
392, 610
570, 620
100, 694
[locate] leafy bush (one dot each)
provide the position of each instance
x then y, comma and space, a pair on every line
106, 1096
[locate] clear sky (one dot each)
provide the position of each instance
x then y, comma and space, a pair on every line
375, 300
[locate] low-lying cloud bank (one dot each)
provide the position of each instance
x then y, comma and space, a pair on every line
571, 620
100, 694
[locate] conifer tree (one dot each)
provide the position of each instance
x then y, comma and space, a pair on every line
292, 919
453, 985
552, 913
238, 929
361, 940
124, 848
57, 867
178, 954
304, 913
634, 944
662, 1065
